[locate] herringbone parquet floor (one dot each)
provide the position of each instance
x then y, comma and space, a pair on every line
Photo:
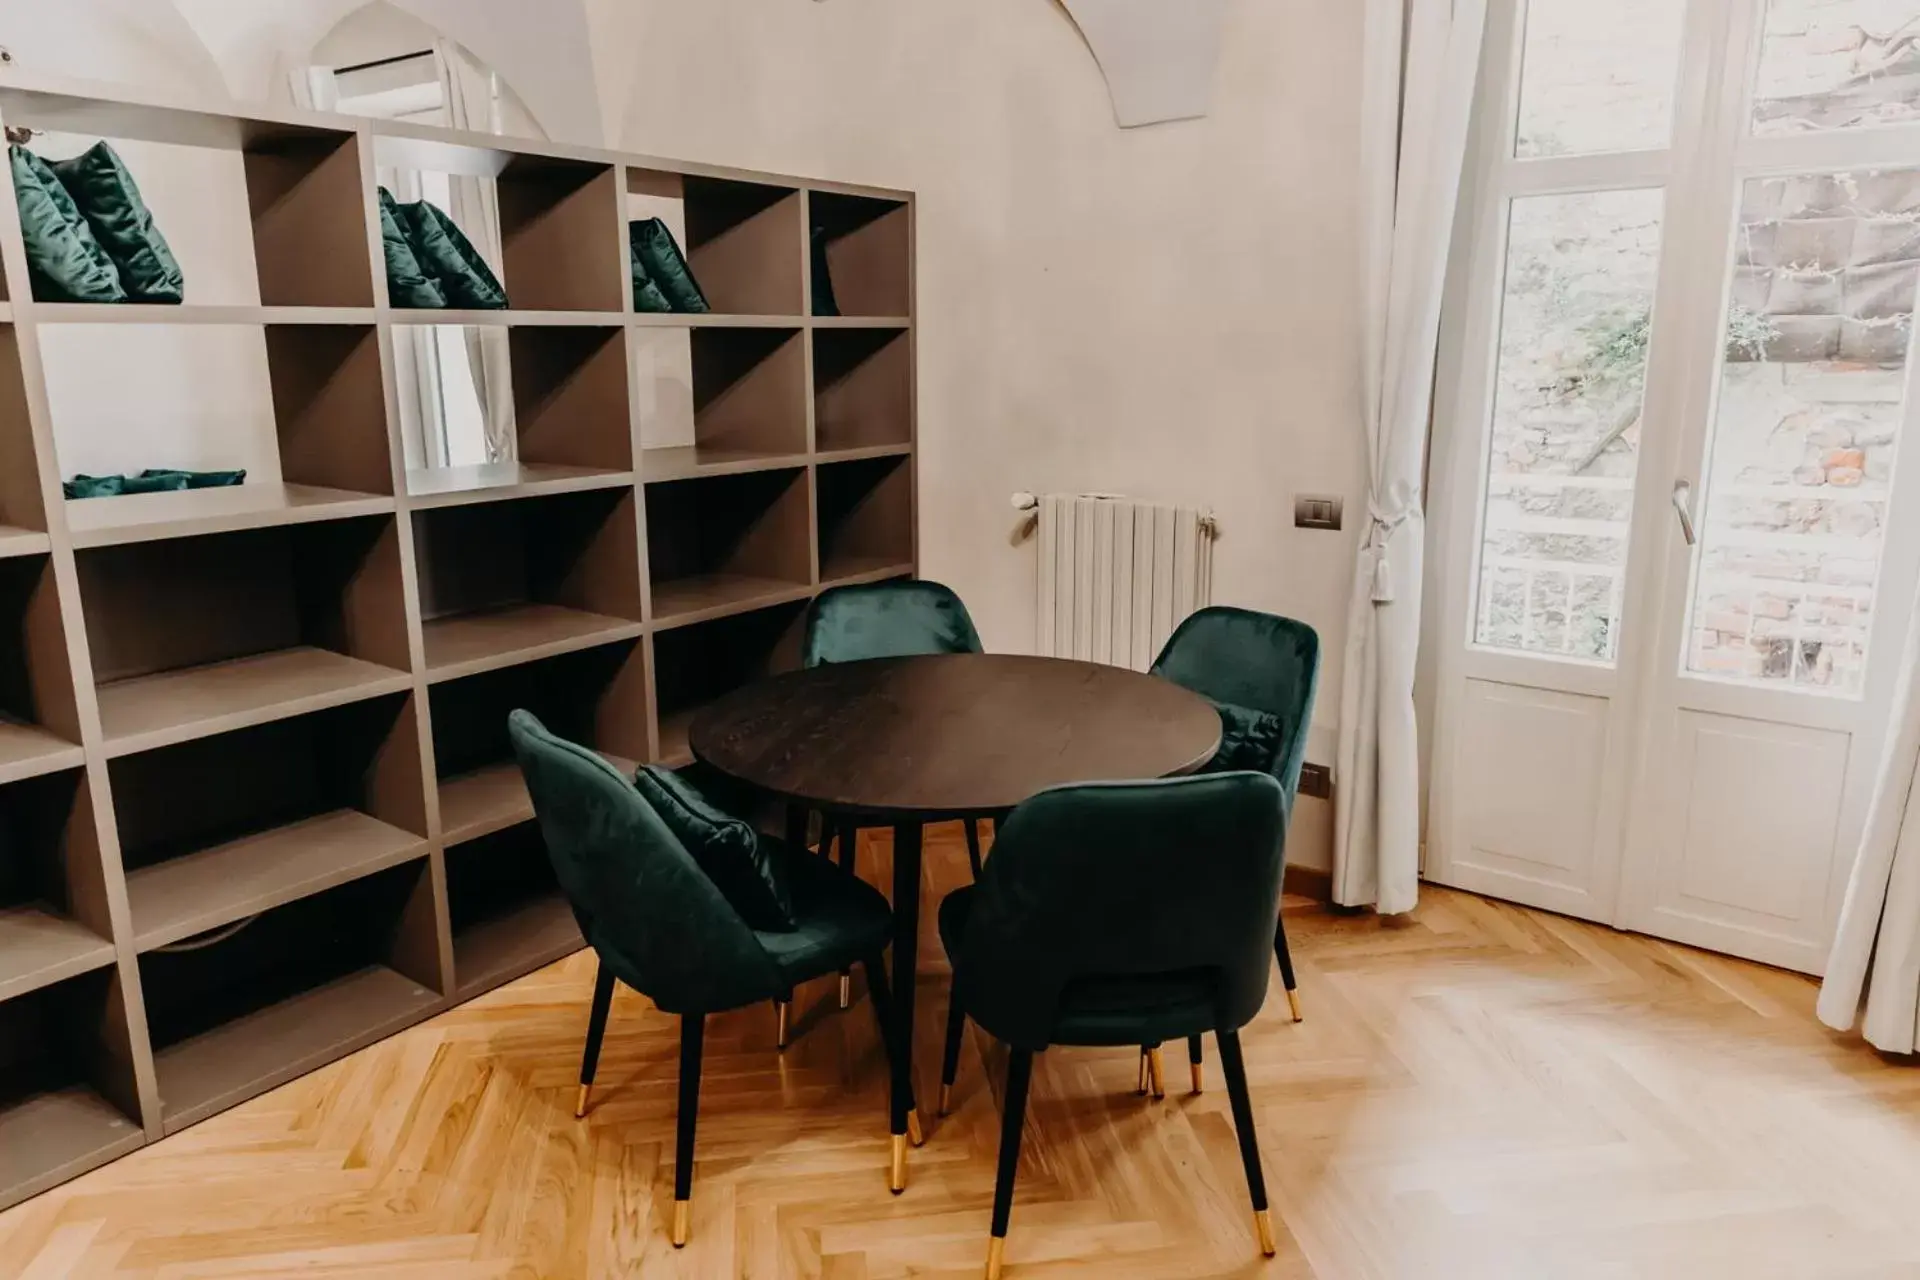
1479, 1091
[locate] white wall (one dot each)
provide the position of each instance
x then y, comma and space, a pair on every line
1166, 311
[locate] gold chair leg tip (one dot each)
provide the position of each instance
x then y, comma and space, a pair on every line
1198, 1077
1156, 1079
780, 1028
897, 1173
915, 1134
1263, 1227
996, 1256
1293, 1003
580, 1102
946, 1099
682, 1212
846, 991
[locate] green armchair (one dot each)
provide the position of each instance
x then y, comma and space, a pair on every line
1119, 914
884, 620
659, 924
1259, 670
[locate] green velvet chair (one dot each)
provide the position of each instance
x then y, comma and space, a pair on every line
885, 620
1119, 913
660, 925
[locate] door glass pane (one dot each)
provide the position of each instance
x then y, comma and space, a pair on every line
1565, 432
1808, 415
1837, 64
1598, 77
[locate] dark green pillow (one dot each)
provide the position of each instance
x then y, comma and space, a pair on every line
654, 248
824, 303
646, 294
449, 259
64, 261
726, 848
152, 480
407, 285
109, 199
191, 479
1249, 739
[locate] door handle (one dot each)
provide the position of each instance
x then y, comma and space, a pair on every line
1683, 507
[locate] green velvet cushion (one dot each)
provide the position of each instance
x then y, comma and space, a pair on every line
647, 297
407, 285
110, 201
152, 480
824, 303
65, 263
886, 620
750, 877
839, 919
449, 259
653, 248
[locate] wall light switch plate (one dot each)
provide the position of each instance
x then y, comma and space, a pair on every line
1316, 780
1316, 511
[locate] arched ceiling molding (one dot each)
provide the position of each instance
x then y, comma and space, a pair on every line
1158, 56
128, 41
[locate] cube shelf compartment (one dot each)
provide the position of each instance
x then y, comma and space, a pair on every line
297, 986
509, 582
596, 697
270, 719
196, 636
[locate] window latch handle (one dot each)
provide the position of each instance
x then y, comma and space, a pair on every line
1683, 507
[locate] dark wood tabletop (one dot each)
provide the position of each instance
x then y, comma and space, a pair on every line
952, 735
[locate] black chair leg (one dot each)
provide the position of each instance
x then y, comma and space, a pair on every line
848, 836
849, 846
1019, 1076
596, 1031
692, 1036
973, 845
1285, 957
950, 1054
1235, 1069
1194, 1058
881, 989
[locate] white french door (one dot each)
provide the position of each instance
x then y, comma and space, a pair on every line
1677, 541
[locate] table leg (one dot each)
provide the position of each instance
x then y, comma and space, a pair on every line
906, 934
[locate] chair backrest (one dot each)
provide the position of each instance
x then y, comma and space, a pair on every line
1122, 879
886, 620
1260, 661
642, 902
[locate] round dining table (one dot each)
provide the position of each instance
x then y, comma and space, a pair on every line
902, 742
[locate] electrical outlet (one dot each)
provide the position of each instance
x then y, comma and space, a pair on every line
1316, 780
1316, 511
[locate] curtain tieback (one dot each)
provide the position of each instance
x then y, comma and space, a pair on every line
1382, 528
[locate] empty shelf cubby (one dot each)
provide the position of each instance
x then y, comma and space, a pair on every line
39, 722
57, 1079
724, 543
695, 664
743, 240
54, 922
866, 517
866, 246
194, 636
596, 697
862, 388
303, 805
235, 1014
507, 911
509, 582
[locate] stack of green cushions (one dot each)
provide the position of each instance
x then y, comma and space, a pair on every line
430, 261
747, 873
152, 480
662, 280
89, 236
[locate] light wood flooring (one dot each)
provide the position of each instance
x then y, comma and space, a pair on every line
1479, 1091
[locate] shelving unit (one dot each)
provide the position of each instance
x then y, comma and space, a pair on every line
258, 803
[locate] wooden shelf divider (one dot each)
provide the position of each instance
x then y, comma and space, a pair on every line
279, 740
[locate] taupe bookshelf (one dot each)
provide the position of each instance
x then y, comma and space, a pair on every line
257, 807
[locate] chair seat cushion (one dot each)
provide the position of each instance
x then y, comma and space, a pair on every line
740, 862
1122, 1009
838, 918
110, 201
1249, 739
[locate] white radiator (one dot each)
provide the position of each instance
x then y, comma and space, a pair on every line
1117, 576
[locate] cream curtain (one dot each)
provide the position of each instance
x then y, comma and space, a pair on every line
1421, 60
1876, 953
467, 89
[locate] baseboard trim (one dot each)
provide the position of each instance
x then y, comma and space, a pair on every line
1309, 882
